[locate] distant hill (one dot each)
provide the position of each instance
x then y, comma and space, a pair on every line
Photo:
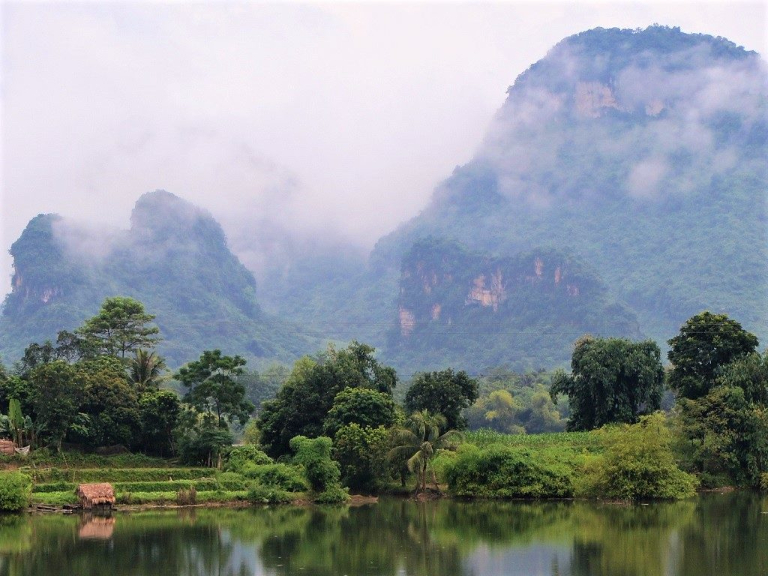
174, 259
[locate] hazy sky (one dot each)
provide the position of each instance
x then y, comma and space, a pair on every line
327, 120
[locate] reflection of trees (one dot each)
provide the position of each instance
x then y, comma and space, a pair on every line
722, 535
728, 536
617, 540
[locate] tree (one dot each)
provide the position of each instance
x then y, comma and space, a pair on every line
120, 327
159, 410
361, 406
705, 344
110, 405
750, 373
303, 402
213, 388
725, 436
446, 392
145, 369
611, 380
361, 452
56, 398
419, 443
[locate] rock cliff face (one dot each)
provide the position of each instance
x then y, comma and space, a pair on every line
453, 299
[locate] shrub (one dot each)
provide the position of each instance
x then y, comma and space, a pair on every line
259, 494
499, 471
281, 476
15, 491
239, 456
314, 454
637, 464
333, 495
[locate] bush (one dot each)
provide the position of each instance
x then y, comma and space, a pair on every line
638, 464
314, 454
259, 494
333, 495
283, 476
15, 491
499, 471
239, 456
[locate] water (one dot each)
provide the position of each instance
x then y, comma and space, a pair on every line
718, 535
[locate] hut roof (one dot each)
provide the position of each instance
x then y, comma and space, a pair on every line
96, 494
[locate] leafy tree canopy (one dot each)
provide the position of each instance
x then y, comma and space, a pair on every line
361, 406
213, 388
304, 401
705, 344
611, 380
445, 392
120, 327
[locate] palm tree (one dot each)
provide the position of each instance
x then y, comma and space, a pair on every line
146, 368
419, 443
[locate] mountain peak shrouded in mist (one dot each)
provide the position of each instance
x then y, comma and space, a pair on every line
174, 258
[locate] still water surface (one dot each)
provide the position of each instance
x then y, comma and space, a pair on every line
718, 535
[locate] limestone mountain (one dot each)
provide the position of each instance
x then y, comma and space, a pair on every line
174, 259
641, 153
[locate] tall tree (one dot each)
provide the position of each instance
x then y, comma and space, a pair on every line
303, 402
121, 327
445, 392
705, 344
213, 388
56, 398
611, 380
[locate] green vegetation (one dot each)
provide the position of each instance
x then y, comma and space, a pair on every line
499, 471
707, 342
611, 380
445, 393
637, 464
15, 489
304, 401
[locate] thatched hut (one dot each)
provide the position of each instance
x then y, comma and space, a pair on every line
96, 495
7, 447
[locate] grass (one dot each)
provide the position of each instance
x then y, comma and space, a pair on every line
576, 441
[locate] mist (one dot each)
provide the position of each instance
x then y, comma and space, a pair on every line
295, 125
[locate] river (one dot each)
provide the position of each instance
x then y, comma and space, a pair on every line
714, 534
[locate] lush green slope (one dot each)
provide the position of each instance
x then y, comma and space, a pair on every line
174, 259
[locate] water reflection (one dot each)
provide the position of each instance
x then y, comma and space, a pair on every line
719, 534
